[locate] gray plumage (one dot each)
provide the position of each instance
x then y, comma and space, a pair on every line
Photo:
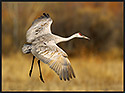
26, 49
43, 46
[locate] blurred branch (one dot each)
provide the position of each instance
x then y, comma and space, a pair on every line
15, 24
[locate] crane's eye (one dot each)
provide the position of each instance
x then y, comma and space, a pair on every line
80, 34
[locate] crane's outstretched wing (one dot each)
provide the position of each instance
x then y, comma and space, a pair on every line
39, 27
55, 57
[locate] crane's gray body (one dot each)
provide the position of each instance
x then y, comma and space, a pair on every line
43, 46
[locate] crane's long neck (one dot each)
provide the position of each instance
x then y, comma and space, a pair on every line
62, 39
69, 38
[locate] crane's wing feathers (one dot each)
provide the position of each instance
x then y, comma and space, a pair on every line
39, 27
55, 57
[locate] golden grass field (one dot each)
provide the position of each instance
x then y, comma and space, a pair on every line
92, 73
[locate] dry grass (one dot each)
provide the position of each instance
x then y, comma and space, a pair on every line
92, 74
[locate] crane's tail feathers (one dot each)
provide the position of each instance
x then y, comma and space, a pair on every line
26, 48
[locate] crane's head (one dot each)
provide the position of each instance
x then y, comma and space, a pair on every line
79, 35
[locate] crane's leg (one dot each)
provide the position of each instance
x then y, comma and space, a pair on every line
40, 71
31, 66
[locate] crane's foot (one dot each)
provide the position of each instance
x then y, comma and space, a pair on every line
30, 73
31, 66
41, 78
40, 71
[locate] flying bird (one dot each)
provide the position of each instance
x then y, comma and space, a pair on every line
43, 45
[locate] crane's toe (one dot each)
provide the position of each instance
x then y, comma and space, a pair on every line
30, 73
41, 78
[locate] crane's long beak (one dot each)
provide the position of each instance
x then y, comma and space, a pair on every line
86, 37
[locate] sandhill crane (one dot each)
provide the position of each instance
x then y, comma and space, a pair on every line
42, 44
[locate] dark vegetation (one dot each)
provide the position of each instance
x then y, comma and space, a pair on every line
101, 22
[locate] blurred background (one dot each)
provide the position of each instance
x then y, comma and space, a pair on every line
98, 63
